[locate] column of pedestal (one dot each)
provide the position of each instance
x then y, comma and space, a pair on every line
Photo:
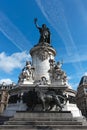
40, 60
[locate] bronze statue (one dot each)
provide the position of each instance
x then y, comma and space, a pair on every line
44, 32
50, 97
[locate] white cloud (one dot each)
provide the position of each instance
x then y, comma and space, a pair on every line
74, 58
6, 81
85, 74
16, 60
74, 85
69, 77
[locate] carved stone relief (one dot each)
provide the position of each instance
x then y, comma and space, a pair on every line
43, 53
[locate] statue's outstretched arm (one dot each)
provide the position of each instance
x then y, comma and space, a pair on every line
35, 21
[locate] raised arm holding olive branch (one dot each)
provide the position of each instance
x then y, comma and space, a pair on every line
44, 32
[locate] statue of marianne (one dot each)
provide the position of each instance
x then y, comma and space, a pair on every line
44, 32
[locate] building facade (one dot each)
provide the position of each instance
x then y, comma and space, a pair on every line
81, 97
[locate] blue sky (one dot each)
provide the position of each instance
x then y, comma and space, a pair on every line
67, 20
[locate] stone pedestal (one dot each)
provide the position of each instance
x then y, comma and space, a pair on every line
40, 60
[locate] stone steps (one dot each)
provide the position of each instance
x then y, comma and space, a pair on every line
43, 121
51, 114
47, 129
31, 127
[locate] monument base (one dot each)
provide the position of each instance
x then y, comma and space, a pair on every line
43, 120
73, 108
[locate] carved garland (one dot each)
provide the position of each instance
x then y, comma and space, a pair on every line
43, 53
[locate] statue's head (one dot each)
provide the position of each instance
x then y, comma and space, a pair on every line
28, 62
43, 25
